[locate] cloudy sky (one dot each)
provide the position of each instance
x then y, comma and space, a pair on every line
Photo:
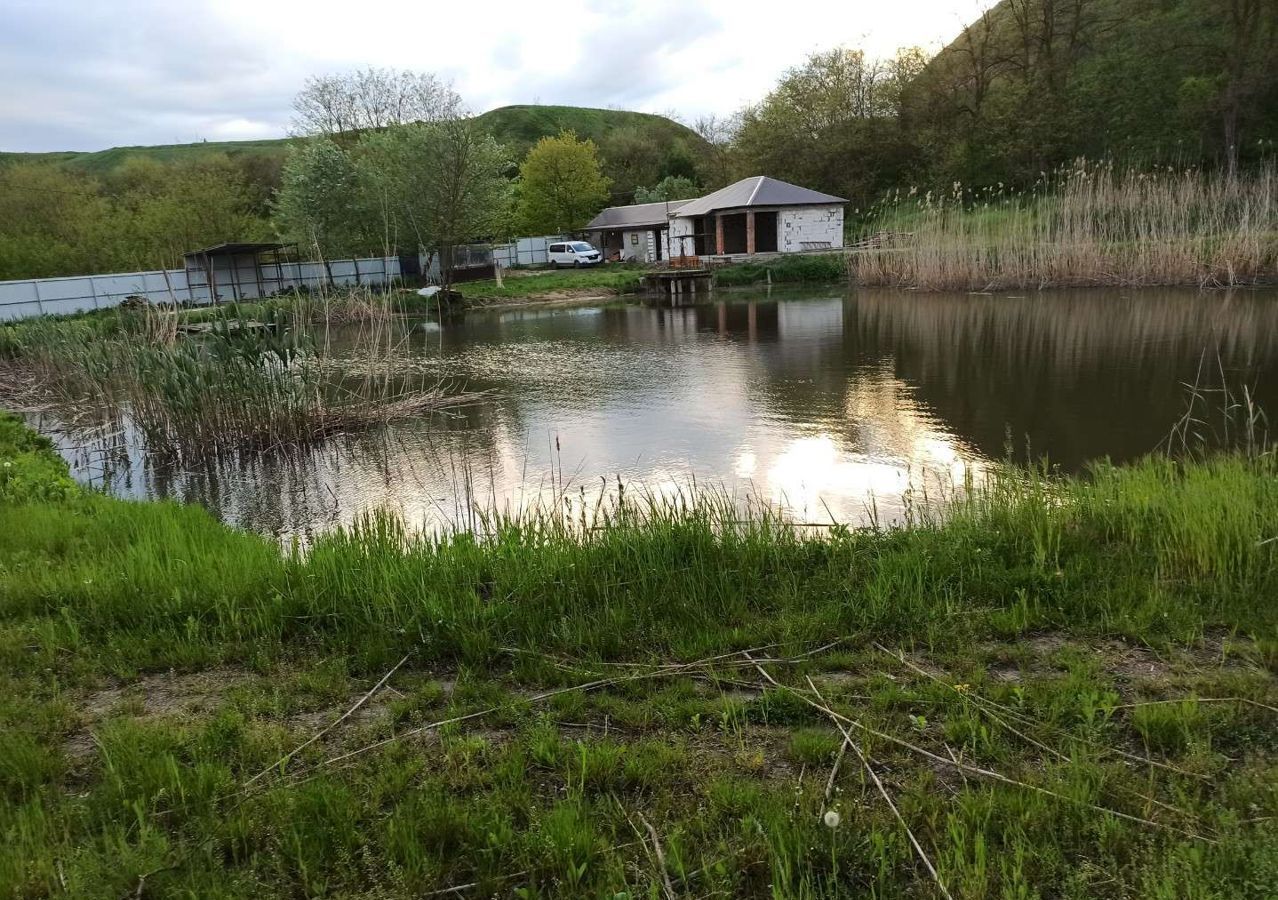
91, 74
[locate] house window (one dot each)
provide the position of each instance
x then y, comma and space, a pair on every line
634, 238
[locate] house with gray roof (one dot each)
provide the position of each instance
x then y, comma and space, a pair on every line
754, 215
637, 232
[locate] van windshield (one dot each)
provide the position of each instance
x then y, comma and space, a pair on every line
580, 247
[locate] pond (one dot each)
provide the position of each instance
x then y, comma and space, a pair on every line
840, 405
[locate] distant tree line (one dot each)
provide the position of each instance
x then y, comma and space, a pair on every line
56, 221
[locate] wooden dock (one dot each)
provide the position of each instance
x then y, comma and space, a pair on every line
680, 285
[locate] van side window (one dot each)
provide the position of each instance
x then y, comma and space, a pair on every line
556, 248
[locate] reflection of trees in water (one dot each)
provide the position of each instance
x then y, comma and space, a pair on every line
1080, 374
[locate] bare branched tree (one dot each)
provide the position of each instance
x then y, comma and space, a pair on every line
370, 99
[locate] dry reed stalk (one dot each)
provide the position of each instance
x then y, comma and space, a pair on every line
1244, 700
984, 703
592, 685
661, 858
336, 722
1091, 226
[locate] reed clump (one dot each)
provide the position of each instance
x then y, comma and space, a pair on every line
1083, 225
236, 384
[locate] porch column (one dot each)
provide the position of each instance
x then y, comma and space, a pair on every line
750, 231
718, 234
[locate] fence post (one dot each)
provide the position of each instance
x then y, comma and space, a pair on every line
35, 285
93, 289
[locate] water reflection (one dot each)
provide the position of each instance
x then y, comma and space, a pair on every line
818, 402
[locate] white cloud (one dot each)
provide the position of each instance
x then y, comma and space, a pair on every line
81, 74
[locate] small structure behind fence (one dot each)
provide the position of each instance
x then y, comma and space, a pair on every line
249, 271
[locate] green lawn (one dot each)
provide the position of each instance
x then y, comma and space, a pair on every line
551, 284
1067, 690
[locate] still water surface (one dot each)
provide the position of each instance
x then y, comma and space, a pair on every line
831, 403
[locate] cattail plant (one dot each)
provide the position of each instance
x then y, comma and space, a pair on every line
237, 385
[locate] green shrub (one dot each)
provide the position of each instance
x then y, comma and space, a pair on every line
800, 268
30, 468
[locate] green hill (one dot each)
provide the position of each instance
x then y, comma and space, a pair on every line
103, 162
519, 127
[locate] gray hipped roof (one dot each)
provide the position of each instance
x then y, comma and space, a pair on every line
757, 191
638, 216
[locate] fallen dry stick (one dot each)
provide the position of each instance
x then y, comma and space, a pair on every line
319, 734
984, 704
887, 798
977, 770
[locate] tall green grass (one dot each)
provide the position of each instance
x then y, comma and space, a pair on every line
1162, 547
802, 268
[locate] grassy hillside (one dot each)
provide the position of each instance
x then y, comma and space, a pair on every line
104, 162
519, 127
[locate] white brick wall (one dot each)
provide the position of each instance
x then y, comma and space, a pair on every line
811, 227
681, 241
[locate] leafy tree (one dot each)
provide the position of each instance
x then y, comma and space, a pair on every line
672, 187
436, 185
323, 204
1032, 84
1244, 52
630, 158
163, 210
144, 216
52, 222
718, 134
561, 185
832, 124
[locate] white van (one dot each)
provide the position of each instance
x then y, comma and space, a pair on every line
573, 253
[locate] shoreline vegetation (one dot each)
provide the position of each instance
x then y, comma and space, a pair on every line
1085, 226
1064, 686
207, 382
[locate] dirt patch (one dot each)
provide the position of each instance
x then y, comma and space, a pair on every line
166, 694
1005, 673
372, 711
152, 696
196, 695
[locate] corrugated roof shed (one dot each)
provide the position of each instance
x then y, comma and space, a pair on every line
640, 215
758, 191
235, 248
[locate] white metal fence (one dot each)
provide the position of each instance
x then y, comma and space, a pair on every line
530, 251
59, 296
